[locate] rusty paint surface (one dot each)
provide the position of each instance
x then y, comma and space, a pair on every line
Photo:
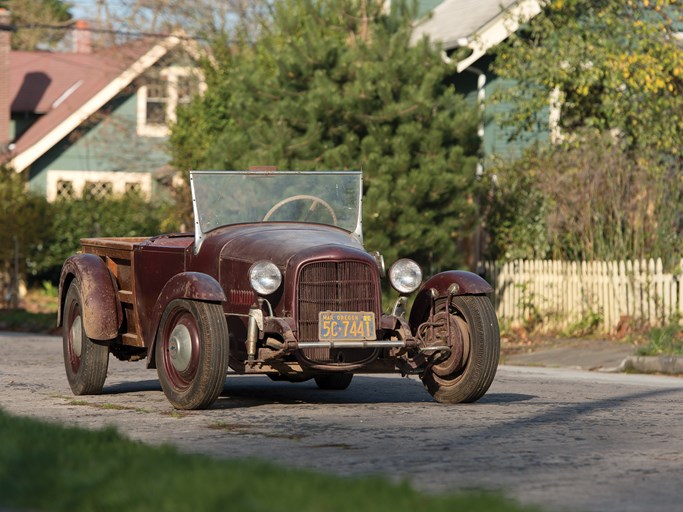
101, 308
164, 268
242, 297
468, 284
186, 285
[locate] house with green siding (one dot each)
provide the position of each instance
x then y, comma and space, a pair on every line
95, 122
467, 30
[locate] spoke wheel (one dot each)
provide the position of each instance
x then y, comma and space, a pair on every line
468, 374
333, 381
191, 353
85, 361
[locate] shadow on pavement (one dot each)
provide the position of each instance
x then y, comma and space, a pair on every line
132, 387
240, 391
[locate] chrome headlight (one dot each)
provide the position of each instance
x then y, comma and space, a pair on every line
265, 277
405, 276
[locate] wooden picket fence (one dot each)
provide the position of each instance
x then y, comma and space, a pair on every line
559, 294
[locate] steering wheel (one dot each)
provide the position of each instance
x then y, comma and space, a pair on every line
315, 201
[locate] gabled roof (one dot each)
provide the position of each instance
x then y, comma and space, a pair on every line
68, 88
477, 24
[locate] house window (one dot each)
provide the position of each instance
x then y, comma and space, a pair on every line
65, 189
133, 188
187, 87
159, 97
157, 104
62, 184
97, 189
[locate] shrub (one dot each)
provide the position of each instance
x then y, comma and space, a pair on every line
129, 215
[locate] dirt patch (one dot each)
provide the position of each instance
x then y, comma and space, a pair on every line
511, 345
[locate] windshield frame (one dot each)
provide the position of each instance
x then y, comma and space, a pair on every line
200, 233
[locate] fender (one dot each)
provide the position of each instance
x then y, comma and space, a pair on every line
186, 285
102, 313
467, 283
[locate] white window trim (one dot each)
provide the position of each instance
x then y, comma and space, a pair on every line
79, 179
29, 155
171, 74
144, 129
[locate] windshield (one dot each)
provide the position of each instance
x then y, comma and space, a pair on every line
221, 198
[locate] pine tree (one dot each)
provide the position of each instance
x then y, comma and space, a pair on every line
335, 84
31, 18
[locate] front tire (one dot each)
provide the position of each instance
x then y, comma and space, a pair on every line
471, 378
85, 361
191, 353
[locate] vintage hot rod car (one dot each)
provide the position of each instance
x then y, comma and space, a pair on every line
274, 280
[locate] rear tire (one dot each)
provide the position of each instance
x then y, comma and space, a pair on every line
333, 381
191, 353
474, 377
86, 362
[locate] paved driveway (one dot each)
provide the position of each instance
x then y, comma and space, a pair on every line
566, 439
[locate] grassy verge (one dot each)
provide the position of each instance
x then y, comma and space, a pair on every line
21, 320
47, 467
664, 341
37, 312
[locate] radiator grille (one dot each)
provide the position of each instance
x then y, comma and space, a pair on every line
333, 286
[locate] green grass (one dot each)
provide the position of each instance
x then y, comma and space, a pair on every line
664, 341
24, 321
47, 467
587, 325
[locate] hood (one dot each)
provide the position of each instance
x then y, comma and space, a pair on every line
278, 242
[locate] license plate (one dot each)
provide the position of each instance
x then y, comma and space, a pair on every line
346, 326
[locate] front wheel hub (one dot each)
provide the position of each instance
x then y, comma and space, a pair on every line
180, 348
448, 330
76, 336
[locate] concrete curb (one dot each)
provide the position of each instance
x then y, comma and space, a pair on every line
672, 365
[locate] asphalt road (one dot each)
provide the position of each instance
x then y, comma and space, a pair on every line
561, 438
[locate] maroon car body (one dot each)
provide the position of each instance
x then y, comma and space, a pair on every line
188, 305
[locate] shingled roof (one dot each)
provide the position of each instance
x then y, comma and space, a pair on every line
477, 24
68, 88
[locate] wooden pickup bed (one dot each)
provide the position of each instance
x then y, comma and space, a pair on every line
117, 253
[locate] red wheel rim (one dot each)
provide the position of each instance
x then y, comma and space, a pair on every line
180, 348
